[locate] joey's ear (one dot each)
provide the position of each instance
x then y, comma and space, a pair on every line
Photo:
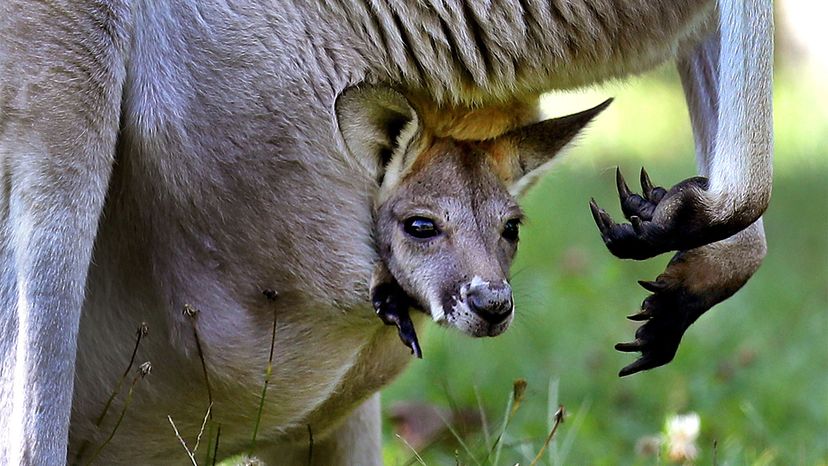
371, 119
536, 145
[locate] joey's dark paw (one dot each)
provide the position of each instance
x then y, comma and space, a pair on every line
660, 220
392, 305
667, 313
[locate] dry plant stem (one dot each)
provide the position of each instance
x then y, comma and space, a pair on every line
183, 443
559, 418
518, 390
144, 370
268, 373
201, 430
192, 313
310, 445
141, 332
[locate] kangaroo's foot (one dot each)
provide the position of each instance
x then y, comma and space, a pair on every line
660, 220
693, 282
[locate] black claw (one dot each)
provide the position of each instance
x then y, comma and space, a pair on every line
593, 206
645, 314
405, 329
654, 286
621, 184
599, 216
640, 364
392, 306
646, 184
630, 347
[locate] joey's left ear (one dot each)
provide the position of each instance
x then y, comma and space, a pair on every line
536, 145
372, 120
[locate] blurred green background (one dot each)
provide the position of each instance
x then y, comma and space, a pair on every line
754, 368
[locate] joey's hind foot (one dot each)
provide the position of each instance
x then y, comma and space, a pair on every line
667, 313
691, 284
392, 305
660, 220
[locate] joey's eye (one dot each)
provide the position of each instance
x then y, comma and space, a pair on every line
511, 230
420, 227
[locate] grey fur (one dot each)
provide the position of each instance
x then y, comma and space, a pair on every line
195, 145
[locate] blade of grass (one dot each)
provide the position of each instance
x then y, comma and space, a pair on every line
209, 452
408, 445
459, 439
484, 422
551, 416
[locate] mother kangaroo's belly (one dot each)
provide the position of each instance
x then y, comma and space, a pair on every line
324, 363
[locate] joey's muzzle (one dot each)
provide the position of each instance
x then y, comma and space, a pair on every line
492, 301
484, 308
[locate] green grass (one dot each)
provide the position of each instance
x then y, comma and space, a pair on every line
755, 368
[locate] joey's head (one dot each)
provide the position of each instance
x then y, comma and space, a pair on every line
447, 232
446, 215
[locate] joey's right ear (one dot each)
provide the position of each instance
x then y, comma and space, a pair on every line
536, 145
373, 121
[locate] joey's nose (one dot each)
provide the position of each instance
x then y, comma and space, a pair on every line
491, 301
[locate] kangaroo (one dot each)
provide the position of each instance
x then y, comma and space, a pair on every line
161, 154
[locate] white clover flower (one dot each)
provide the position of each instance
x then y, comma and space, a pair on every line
682, 432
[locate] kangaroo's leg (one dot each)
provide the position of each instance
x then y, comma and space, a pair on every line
694, 281
61, 75
727, 83
356, 442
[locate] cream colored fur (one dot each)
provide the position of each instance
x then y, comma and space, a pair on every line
161, 153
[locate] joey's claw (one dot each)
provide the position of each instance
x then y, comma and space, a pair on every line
629, 347
623, 240
653, 287
599, 215
640, 364
642, 315
660, 220
646, 184
632, 204
657, 339
651, 193
405, 329
693, 282
667, 313
392, 304
621, 184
